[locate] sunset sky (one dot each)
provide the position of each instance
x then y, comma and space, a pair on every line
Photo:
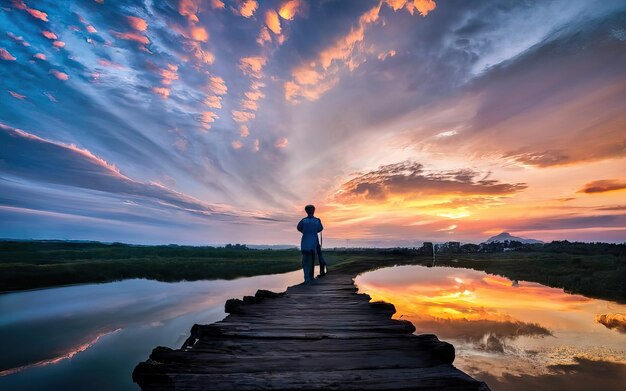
208, 121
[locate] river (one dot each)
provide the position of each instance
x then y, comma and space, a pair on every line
514, 335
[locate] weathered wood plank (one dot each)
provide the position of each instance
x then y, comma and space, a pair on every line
321, 335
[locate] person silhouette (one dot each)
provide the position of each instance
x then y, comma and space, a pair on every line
310, 226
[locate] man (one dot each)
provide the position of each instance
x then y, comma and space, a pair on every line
310, 226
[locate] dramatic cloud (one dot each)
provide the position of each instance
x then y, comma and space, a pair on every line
69, 165
352, 86
613, 321
272, 21
137, 23
247, 8
410, 180
289, 9
602, 186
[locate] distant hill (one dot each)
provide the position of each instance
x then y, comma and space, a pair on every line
504, 236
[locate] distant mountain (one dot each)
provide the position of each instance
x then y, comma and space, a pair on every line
507, 236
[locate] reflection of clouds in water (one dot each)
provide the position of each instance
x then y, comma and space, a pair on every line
582, 375
503, 331
52, 322
489, 335
64, 356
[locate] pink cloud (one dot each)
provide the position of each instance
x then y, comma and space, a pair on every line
17, 95
213, 101
256, 145
242, 116
252, 66
59, 75
244, 131
137, 23
35, 13
169, 74
207, 118
91, 29
199, 34
17, 39
281, 142
40, 56
5, 55
163, 92
237, 144
190, 9
48, 34
217, 4
142, 39
217, 85
109, 64
264, 36
58, 44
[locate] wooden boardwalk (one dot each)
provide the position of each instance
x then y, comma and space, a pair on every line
321, 335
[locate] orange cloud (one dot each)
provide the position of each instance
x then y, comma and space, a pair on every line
217, 4
237, 144
58, 44
142, 39
603, 186
289, 9
40, 56
422, 6
264, 36
169, 74
163, 92
5, 55
272, 21
203, 55
396, 4
190, 9
407, 181
244, 131
137, 23
242, 116
91, 29
207, 118
294, 91
217, 85
59, 75
383, 56
247, 8
252, 66
281, 142
249, 105
48, 34
199, 34
254, 95
17, 95
213, 101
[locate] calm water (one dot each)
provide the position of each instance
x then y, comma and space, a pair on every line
92, 336
513, 335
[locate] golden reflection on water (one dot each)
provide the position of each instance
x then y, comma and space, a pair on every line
500, 326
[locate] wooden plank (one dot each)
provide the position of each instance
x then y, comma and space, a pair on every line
320, 335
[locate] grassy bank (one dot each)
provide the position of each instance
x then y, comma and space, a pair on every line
28, 265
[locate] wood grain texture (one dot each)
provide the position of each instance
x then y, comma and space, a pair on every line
320, 335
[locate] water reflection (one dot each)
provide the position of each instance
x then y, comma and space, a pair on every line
92, 336
512, 334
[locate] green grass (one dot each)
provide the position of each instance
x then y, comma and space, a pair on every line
28, 265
